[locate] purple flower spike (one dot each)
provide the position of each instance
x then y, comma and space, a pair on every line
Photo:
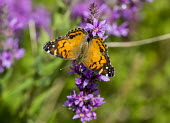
87, 98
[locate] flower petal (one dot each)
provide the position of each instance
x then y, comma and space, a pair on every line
76, 116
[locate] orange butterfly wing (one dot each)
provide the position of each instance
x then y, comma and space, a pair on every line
96, 57
69, 46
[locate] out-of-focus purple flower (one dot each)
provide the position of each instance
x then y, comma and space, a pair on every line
2, 2
115, 13
105, 11
98, 27
15, 15
80, 9
118, 31
9, 53
18, 53
22, 11
124, 11
19, 13
12, 45
7, 59
146, 0
128, 14
149, 0
41, 18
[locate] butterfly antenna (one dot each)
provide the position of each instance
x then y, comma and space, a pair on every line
66, 67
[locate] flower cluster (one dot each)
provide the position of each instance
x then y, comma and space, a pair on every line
15, 16
88, 97
119, 13
10, 52
20, 12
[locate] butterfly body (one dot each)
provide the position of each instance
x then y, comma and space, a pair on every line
74, 46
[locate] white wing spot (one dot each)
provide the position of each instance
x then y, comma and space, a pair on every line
53, 45
48, 51
106, 74
107, 67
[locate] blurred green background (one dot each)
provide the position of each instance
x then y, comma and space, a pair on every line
34, 89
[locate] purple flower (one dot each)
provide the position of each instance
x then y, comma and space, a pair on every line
118, 31
81, 9
116, 13
149, 0
7, 59
104, 11
41, 18
78, 81
15, 16
124, 11
18, 53
103, 78
97, 101
19, 13
71, 98
85, 114
98, 27
83, 6
80, 98
22, 11
10, 44
10, 52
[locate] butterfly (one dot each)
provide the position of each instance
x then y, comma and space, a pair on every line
74, 46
